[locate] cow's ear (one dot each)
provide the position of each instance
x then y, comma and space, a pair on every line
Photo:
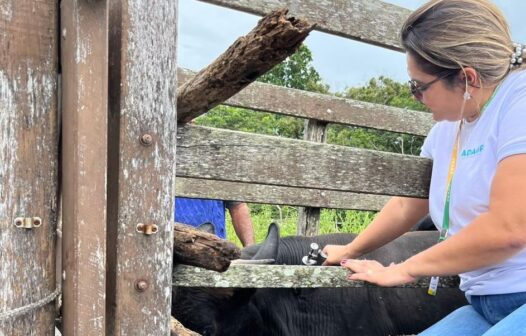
207, 227
269, 248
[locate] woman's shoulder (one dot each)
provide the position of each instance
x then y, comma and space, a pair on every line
511, 93
516, 80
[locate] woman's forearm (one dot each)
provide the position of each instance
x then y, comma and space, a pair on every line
486, 241
397, 217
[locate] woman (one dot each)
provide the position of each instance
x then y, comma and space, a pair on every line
465, 68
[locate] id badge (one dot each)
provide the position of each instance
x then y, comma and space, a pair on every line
433, 286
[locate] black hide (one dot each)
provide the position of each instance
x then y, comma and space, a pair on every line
318, 311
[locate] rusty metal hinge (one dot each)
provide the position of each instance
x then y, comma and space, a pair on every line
28, 222
147, 229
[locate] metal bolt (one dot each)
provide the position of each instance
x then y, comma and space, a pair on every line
141, 285
37, 221
146, 139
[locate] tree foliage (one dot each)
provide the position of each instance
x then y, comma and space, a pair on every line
295, 72
381, 90
298, 72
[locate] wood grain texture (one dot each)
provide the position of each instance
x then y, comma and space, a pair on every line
141, 175
84, 38
177, 329
309, 217
28, 161
281, 195
275, 37
202, 249
242, 157
281, 276
371, 21
323, 107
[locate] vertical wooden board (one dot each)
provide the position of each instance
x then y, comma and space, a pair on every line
309, 217
84, 48
141, 175
28, 161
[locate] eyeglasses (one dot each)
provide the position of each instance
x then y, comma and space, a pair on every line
418, 89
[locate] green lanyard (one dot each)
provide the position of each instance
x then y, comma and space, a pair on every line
450, 174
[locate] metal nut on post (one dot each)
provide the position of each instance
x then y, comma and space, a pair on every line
141, 285
146, 139
147, 229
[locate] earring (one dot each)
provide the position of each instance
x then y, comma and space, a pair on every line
467, 95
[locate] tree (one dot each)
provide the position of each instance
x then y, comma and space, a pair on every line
381, 90
295, 72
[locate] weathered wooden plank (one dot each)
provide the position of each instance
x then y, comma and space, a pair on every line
280, 276
28, 162
371, 21
236, 156
202, 249
309, 217
275, 37
323, 107
271, 194
141, 163
84, 147
177, 329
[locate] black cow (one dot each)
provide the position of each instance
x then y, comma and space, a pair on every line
317, 311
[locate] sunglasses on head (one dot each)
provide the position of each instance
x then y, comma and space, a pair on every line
417, 90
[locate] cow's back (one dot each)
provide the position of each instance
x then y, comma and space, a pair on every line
354, 311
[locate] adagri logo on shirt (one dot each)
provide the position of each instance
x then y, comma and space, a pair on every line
472, 152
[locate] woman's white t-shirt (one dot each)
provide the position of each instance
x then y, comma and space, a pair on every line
498, 133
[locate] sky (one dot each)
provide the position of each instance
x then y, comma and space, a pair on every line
206, 31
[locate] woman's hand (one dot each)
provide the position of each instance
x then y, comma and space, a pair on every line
336, 253
374, 272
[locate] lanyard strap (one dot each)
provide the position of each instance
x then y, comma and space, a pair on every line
451, 173
433, 283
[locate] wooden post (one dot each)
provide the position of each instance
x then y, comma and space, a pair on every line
28, 163
141, 174
84, 49
309, 218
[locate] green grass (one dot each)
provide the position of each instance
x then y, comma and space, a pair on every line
331, 221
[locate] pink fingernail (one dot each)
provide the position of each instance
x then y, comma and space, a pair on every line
343, 261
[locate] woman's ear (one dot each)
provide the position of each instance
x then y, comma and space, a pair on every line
470, 76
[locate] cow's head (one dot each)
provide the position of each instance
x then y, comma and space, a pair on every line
225, 311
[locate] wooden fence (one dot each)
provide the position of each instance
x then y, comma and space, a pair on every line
104, 72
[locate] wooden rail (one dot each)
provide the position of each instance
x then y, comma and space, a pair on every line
272, 194
324, 107
281, 276
237, 157
371, 21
